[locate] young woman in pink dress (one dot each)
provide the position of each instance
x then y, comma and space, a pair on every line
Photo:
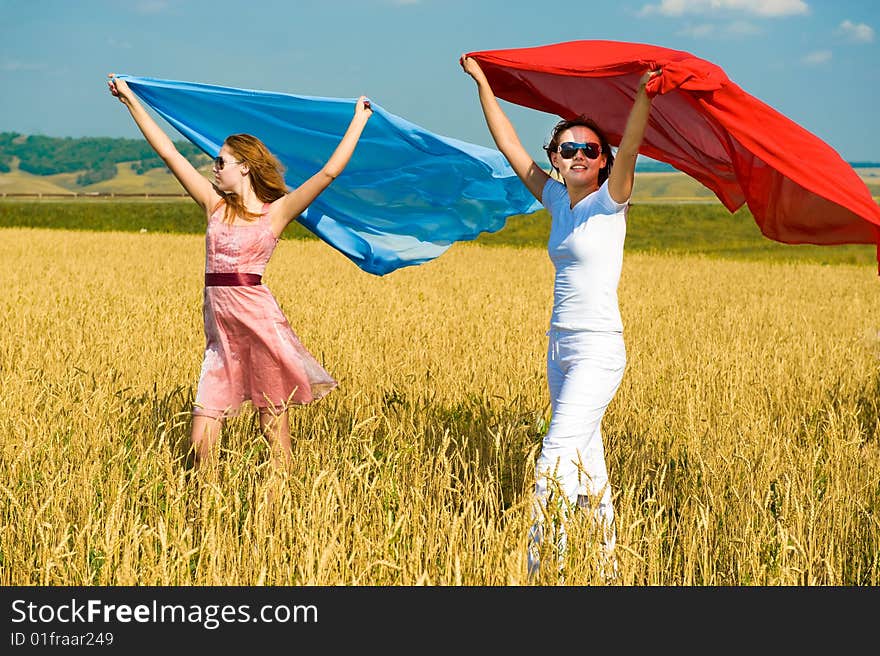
251, 352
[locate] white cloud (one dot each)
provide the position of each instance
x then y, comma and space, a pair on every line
763, 8
151, 6
817, 58
742, 28
15, 65
858, 32
702, 31
733, 30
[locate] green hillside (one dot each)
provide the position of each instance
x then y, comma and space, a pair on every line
87, 160
36, 164
668, 227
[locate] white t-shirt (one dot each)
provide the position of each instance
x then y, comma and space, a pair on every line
586, 247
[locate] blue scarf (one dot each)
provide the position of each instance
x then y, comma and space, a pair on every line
406, 195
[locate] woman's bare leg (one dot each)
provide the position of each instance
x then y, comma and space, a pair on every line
204, 437
276, 427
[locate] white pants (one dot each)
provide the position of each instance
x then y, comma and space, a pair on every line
584, 370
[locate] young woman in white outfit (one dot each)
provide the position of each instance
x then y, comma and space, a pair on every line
586, 356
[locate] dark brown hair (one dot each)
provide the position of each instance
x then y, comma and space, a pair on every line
582, 120
264, 169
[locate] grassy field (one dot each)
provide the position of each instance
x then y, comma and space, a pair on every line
672, 228
743, 445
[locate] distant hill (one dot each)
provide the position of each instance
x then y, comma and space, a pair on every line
90, 159
36, 164
653, 166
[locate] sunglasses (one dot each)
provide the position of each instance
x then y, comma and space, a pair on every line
219, 163
569, 149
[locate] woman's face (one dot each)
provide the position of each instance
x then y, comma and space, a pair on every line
579, 169
229, 176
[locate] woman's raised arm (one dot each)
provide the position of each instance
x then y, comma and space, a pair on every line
288, 207
504, 134
620, 181
197, 186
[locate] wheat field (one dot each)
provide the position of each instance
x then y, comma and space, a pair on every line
743, 444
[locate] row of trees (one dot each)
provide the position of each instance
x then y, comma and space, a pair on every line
95, 157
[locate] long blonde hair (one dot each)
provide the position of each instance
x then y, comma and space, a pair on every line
264, 169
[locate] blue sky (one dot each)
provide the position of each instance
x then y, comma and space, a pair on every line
817, 62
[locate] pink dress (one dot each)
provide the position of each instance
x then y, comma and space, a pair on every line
251, 353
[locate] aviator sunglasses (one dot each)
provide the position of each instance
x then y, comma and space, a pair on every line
568, 149
219, 163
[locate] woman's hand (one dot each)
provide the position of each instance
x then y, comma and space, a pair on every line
647, 76
472, 67
363, 108
119, 88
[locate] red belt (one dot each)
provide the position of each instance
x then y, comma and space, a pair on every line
234, 279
